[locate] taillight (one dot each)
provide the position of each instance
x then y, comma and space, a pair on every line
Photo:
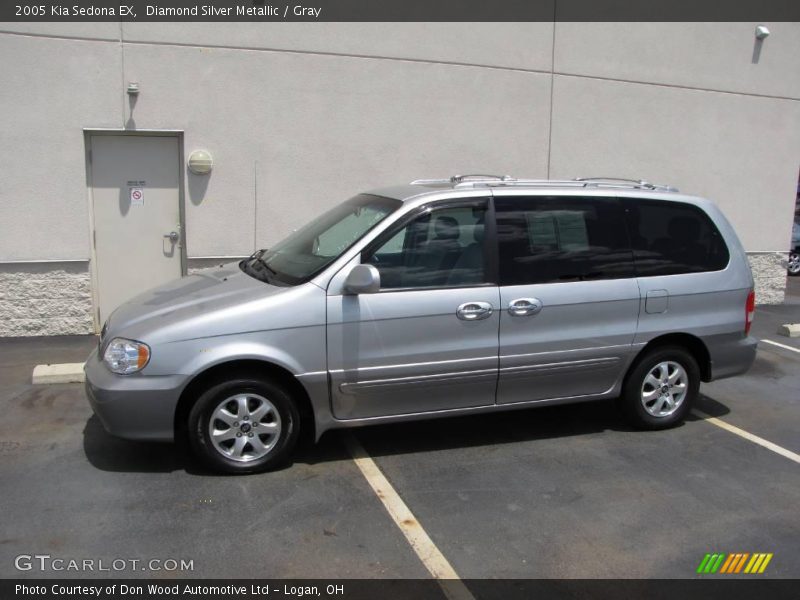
749, 311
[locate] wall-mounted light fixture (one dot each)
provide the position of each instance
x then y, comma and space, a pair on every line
761, 32
133, 88
201, 162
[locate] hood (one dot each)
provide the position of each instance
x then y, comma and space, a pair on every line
186, 299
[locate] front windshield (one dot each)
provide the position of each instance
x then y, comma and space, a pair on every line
308, 250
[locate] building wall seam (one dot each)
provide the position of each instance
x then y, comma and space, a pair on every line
412, 60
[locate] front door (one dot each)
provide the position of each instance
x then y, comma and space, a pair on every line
569, 298
427, 340
136, 214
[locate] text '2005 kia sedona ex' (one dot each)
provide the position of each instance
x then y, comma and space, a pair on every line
437, 298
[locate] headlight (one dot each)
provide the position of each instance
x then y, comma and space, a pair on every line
126, 356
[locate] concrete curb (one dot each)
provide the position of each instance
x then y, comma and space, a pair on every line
791, 330
59, 373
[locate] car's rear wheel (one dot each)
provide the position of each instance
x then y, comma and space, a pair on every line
244, 426
793, 267
661, 388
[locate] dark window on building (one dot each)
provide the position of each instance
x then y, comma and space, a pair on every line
669, 238
559, 239
441, 248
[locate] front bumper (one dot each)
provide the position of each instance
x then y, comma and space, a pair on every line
134, 407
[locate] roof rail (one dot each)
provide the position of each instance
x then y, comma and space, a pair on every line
475, 177
464, 181
613, 180
456, 179
634, 183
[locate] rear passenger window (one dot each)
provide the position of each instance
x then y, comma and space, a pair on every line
558, 239
669, 238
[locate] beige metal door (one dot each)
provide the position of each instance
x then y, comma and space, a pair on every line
136, 215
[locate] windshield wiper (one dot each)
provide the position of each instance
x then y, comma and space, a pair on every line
264, 272
244, 261
256, 254
264, 266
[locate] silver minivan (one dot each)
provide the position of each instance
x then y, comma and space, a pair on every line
442, 297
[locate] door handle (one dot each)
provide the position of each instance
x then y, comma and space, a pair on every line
173, 236
474, 311
524, 307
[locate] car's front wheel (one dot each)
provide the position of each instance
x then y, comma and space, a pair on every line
660, 388
244, 426
793, 267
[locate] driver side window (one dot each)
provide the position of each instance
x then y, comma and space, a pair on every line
439, 248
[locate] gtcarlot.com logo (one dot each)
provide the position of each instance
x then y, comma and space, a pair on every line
731, 564
46, 562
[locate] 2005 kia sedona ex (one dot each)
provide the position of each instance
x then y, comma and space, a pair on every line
437, 298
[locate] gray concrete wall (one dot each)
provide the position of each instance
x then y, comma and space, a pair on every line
300, 116
52, 298
769, 270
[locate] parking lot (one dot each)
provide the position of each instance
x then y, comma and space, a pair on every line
560, 492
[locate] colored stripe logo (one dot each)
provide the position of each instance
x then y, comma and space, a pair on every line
737, 562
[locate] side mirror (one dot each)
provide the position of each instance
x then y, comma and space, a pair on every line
362, 279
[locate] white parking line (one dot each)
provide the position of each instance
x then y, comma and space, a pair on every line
422, 544
749, 436
784, 346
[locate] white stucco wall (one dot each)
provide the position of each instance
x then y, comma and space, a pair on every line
301, 116
52, 89
312, 130
741, 151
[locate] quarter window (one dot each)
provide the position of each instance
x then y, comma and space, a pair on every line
669, 238
560, 239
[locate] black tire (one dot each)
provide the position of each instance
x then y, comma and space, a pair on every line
631, 400
254, 391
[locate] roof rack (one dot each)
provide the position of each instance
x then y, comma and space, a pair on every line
464, 181
619, 182
456, 179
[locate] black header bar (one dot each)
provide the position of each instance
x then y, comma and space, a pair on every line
399, 10
711, 588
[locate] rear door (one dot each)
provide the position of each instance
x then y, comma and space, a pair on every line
427, 340
681, 260
569, 300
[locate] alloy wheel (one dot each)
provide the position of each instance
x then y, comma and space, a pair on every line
664, 388
794, 263
244, 427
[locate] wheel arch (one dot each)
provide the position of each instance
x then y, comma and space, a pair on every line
693, 344
243, 368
